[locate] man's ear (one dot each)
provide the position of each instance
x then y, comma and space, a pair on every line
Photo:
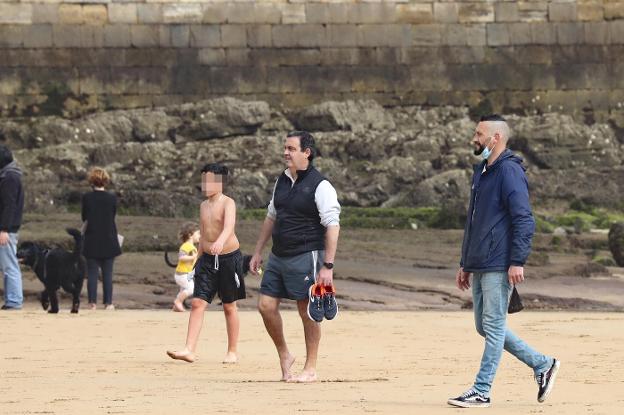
497, 137
308, 152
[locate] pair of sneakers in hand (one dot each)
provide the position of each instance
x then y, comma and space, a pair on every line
322, 302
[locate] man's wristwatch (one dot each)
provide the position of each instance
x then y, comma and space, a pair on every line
328, 265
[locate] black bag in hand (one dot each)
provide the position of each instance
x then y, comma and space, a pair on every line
515, 302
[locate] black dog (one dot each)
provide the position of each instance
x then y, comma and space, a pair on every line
56, 268
246, 260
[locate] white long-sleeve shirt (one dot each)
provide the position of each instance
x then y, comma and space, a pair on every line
326, 200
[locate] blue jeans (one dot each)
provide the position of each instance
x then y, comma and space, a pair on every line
93, 272
490, 293
13, 296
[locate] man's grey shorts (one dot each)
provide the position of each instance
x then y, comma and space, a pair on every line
291, 277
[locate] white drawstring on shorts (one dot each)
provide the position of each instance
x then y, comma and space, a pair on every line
216, 264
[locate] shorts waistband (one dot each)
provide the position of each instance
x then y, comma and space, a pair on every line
221, 256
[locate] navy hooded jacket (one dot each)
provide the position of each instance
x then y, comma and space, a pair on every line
500, 225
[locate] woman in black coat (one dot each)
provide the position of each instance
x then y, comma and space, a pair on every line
101, 244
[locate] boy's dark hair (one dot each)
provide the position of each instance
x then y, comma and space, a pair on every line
305, 141
5, 156
186, 230
216, 168
493, 117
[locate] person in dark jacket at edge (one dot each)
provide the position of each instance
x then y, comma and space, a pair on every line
497, 242
11, 207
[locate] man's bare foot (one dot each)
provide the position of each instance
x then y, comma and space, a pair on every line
92, 306
177, 306
185, 355
286, 364
230, 357
304, 377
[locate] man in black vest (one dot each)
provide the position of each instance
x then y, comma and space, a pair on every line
304, 220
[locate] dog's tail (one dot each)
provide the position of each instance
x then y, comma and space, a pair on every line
168, 261
77, 239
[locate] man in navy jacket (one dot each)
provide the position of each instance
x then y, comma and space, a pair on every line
496, 245
11, 206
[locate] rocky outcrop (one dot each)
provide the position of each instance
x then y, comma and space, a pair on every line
356, 116
404, 156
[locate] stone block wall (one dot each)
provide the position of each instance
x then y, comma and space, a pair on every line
75, 56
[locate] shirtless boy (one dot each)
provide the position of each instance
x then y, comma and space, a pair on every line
219, 267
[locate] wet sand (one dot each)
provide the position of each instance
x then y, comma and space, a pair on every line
101, 362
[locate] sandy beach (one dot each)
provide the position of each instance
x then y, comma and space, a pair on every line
101, 362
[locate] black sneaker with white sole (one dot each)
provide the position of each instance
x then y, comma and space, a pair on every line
470, 399
546, 381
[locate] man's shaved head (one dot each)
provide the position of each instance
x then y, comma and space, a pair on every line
497, 124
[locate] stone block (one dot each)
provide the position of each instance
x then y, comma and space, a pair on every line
589, 10
446, 12
562, 12
67, 36
532, 11
94, 14
520, 33
13, 13
415, 13
182, 13
285, 57
215, 13
570, 33
212, 57
393, 35
613, 9
293, 13
144, 35
338, 13
543, 33
282, 79
310, 35
165, 36
70, 14
117, 36
282, 36
253, 12
92, 36
93, 80
233, 36
205, 36
339, 56
342, 35
11, 36
45, 13
180, 36
427, 34
149, 13
476, 12
506, 12
616, 32
237, 56
457, 54
122, 13
259, 36
461, 35
316, 13
597, 33
371, 13
498, 34
542, 77
38, 36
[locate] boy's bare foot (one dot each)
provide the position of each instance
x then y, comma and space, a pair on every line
185, 355
304, 377
286, 363
109, 307
177, 306
230, 357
